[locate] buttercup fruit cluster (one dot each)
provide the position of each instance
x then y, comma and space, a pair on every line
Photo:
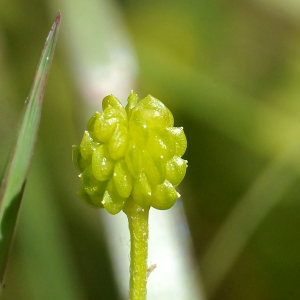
131, 152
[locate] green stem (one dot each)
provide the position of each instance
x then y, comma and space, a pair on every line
138, 226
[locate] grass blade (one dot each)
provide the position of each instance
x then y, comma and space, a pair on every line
15, 177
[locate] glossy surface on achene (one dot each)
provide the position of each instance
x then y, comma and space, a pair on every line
131, 152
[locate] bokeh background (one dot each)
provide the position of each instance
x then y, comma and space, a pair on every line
230, 73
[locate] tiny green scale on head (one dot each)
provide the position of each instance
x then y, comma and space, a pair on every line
131, 152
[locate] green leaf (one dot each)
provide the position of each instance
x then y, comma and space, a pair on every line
16, 173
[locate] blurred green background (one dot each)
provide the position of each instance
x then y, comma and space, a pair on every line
228, 70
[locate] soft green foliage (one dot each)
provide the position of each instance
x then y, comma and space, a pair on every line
14, 181
131, 152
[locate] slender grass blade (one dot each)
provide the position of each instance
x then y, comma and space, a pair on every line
16, 173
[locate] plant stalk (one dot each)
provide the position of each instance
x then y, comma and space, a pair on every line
138, 227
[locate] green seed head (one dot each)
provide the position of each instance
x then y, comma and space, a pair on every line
131, 152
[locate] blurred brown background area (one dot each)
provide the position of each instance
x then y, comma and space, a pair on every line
230, 72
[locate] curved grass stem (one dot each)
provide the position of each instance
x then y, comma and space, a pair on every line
138, 226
